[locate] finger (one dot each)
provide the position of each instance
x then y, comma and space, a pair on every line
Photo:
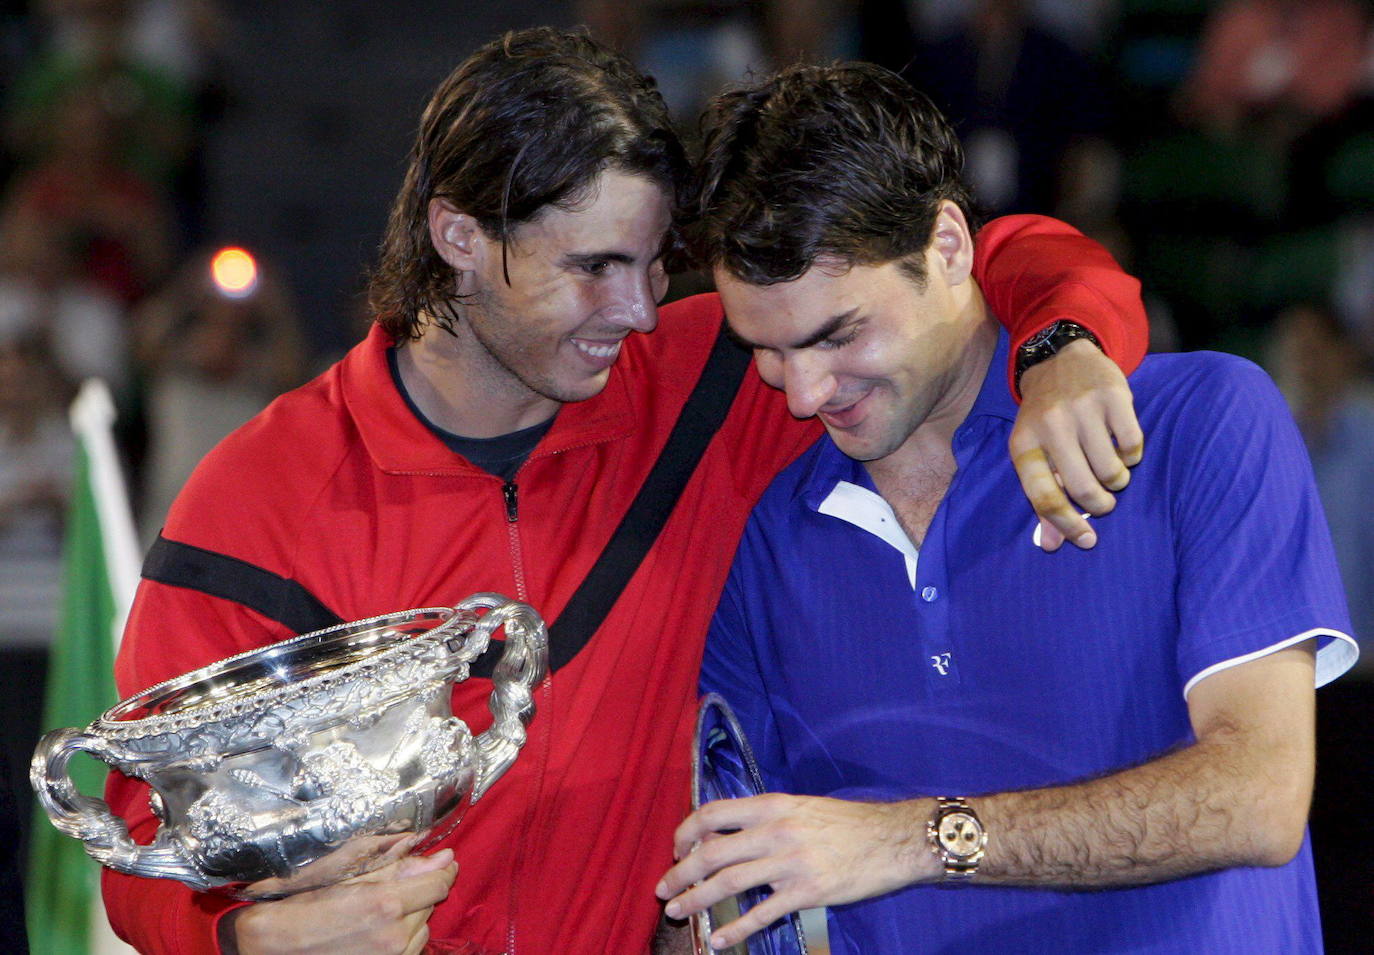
688, 834
416, 893
1050, 503
724, 850
411, 867
1130, 440
416, 925
704, 861
418, 865
1048, 537
721, 815
426, 890
755, 920
1103, 457
1080, 483
725, 883
403, 868
402, 848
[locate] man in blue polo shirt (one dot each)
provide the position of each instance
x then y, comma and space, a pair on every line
939, 699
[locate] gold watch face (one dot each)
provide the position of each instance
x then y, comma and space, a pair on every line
960, 835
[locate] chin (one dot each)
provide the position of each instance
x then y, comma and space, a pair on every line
582, 390
862, 448
858, 450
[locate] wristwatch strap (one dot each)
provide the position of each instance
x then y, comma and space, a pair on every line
1047, 342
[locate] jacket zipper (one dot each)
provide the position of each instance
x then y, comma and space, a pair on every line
510, 493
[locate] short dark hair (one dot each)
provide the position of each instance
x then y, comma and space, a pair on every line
844, 162
527, 122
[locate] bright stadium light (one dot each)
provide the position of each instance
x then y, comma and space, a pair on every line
235, 272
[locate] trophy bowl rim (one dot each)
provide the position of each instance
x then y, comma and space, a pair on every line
118, 723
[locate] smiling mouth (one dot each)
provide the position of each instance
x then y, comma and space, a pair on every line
597, 350
847, 416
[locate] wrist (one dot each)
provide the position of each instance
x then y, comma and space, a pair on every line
956, 838
1050, 341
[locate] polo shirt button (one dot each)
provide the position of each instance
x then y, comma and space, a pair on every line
929, 594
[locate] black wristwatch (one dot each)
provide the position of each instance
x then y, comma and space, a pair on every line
1048, 342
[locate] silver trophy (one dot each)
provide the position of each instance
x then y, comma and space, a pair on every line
309, 761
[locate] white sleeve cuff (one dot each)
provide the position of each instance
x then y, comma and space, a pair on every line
1338, 655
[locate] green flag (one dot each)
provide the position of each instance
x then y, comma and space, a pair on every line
100, 561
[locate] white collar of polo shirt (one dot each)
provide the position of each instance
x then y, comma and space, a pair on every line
868, 511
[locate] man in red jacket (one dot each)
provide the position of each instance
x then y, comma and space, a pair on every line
489, 435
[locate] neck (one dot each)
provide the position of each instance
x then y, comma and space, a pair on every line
459, 386
914, 478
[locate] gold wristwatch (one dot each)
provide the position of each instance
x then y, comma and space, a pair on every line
957, 838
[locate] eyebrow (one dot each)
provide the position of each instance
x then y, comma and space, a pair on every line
585, 258
831, 326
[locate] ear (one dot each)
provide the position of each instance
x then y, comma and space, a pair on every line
952, 242
456, 236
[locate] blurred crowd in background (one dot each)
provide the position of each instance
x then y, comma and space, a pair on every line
1224, 151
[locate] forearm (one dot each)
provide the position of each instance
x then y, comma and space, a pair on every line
1237, 797
1216, 804
1209, 806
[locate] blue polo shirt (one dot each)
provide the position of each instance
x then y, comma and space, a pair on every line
861, 668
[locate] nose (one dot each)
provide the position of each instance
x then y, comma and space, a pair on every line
808, 383
634, 302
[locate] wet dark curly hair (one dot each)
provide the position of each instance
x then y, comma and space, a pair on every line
527, 122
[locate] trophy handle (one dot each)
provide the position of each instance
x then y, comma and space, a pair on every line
523, 664
105, 835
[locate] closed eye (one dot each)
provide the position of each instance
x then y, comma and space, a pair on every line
830, 344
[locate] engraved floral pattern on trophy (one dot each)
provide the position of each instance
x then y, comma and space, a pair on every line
218, 823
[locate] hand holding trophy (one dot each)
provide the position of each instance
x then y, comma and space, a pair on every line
723, 767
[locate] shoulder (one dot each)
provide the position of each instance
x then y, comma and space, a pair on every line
1217, 424
269, 471
784, 498
1206, 391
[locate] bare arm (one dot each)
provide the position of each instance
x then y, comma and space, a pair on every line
1238, 796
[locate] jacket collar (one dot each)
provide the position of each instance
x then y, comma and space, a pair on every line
399, 442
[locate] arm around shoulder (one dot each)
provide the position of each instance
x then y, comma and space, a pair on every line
1076, 435
1035, 270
